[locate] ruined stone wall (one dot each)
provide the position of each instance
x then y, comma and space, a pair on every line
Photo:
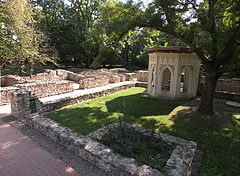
130, 76
75, 77
76, 99
98, 154
93, 82
2, 81
62, 73
142, 76
228, 85
11, 80
5, 93
114, 79
48, 75
227, 95
46, 89
20, 108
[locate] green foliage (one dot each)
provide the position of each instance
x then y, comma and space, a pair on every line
104, 54
69, 28
210, 28
146, 150
19, 39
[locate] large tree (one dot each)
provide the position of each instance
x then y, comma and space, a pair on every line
68, 25
20, 40
211, 28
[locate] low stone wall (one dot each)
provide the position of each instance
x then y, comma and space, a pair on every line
93, 82
47, 75
142, 76
228, 85
114, 79
97, 153
5, 93
227, 95
104, 158
75, 77
11, 80
76, 99
62, 73
45, 89
180, 160
130, 76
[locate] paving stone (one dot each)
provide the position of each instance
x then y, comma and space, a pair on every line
20, 156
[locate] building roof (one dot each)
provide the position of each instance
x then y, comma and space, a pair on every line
169, 50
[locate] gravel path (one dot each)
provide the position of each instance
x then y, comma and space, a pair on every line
83, 167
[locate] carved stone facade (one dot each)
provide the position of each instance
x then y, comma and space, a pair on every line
173, 74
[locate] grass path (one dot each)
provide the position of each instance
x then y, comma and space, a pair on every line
218, 136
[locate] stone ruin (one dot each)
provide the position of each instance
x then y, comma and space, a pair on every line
59, 81
86, 147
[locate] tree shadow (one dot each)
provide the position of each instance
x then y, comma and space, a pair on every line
141, 109
87, 117
217, 136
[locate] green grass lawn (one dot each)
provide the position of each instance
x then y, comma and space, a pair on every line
218, 136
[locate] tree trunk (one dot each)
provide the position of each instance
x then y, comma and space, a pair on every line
30, 67
206, 106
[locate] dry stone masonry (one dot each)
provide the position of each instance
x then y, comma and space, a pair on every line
59, 81
82, 95
100, 155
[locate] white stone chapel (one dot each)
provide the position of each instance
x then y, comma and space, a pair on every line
173, 73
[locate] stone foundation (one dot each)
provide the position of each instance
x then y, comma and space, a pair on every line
181, 158
228, 85
142, 76
130, 76
227, 95
78, 98
11, 80
97, 153
5, 93
46, 89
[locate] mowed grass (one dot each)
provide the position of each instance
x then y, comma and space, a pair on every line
218, 136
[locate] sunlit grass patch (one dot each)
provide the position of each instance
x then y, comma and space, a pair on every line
217, 135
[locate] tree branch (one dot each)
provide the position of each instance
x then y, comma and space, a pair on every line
172, 32
227, 51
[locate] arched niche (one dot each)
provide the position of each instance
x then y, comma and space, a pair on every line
185, 79
166, 77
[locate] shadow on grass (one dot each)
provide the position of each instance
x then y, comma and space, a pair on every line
89, 116
218, 136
